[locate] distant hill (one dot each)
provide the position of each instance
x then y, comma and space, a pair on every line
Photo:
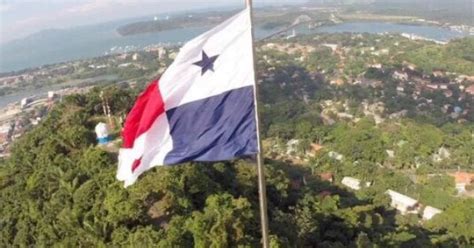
341, 2
182, 21
453, 11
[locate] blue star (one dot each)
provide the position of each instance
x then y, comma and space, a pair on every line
206, 63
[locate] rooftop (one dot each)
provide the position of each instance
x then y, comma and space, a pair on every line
401, 198
463, 177
5, 128
327, 176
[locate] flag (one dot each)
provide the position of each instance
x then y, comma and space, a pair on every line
202, 107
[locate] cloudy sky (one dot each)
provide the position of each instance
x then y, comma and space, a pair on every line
19, 18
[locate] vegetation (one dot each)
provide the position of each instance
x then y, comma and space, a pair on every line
59, 189
456, 11
457, 56
184, 21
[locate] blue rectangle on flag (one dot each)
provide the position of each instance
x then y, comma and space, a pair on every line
217, 128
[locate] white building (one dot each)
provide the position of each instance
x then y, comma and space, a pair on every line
429, 212
400, 75
441, 155
35, 121
353, 183
336, 156
292, 146
51, 95
345, 116
161, 53
403, 203
135, 57
390, 153
462, 179
5, 132
124, 65
292, 35
333, 47
460, 188
24, 102
376, 66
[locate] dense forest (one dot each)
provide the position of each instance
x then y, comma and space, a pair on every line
58, 188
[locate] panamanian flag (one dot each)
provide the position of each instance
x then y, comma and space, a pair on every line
202, 107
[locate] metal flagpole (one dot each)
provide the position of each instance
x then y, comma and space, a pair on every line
260, 166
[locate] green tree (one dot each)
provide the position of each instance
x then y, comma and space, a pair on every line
457, 220
224, 222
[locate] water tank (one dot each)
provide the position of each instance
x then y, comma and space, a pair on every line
457, 110
51, 95
102, 133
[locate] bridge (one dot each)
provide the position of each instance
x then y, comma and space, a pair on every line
298, 21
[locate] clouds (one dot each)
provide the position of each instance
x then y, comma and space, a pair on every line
4, 7
90, 6
87, 7
19, 18
97, 5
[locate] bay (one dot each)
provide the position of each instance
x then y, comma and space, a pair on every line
55, 46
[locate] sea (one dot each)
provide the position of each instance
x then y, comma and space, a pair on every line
54, 46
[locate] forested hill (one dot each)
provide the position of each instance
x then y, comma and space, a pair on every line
352, 112
59, 189
182, 21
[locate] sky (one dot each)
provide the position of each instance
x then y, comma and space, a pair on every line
19, 18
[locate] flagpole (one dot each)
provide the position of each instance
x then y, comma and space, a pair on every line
260, 166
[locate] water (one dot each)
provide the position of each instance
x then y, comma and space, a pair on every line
49, 47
